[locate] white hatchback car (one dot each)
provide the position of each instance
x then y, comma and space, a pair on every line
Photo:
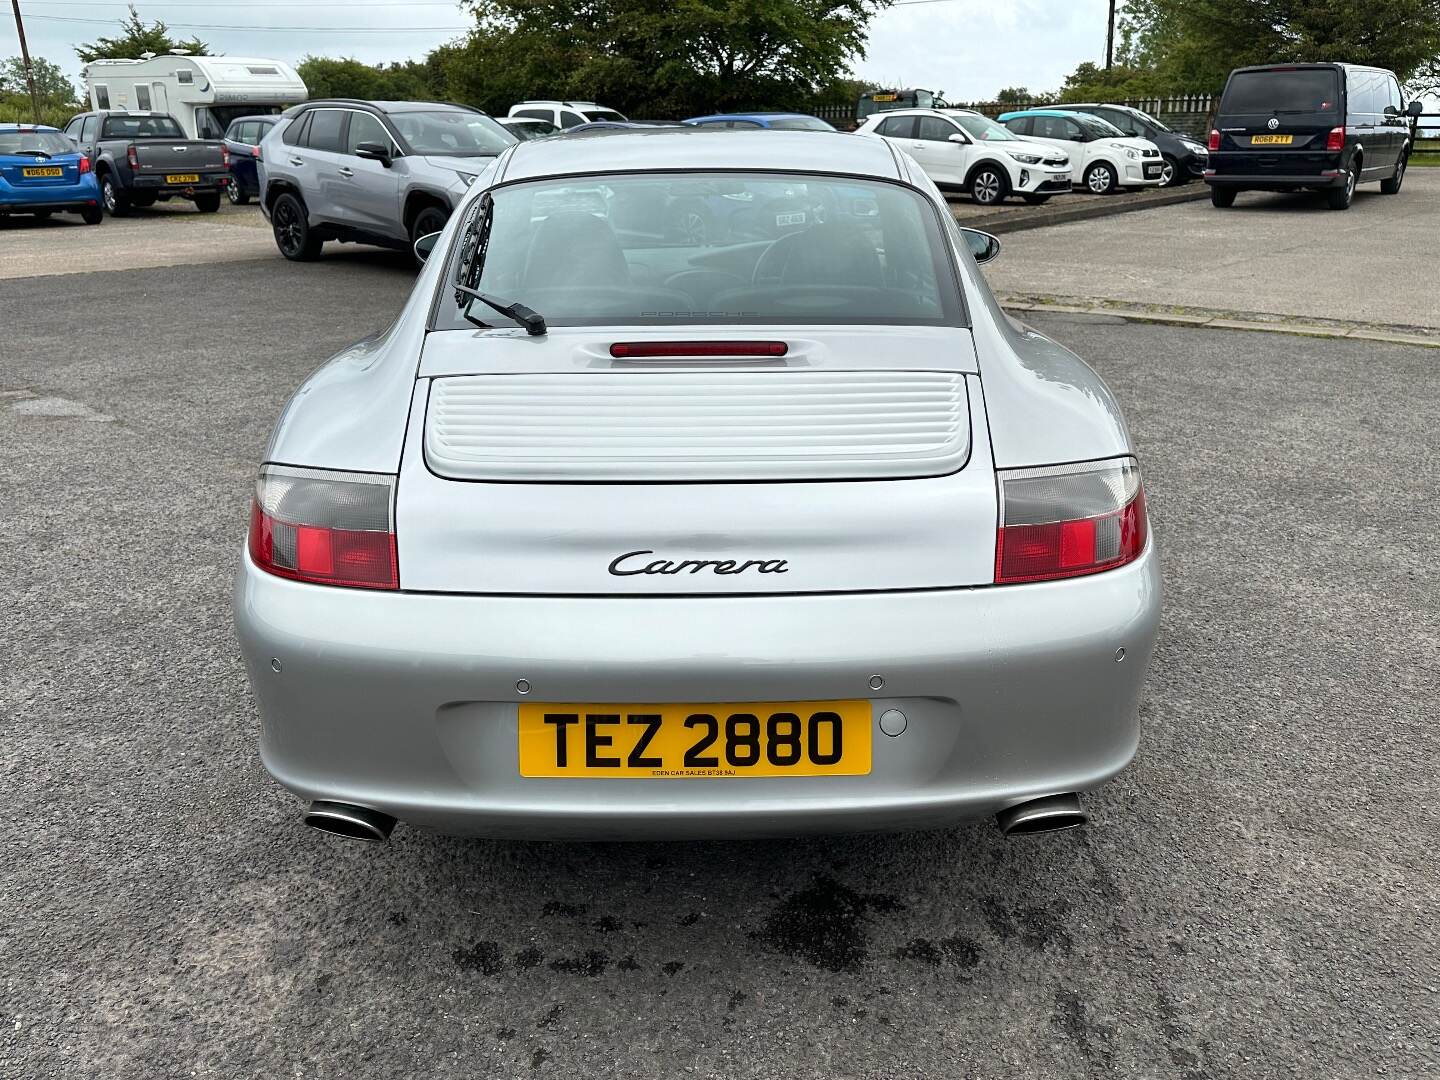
962, 149
1103, 157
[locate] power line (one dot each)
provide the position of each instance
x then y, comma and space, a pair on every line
272, 29
293, 4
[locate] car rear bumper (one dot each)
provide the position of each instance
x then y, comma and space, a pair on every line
407, 703
1276, 181
52, 197
209, 181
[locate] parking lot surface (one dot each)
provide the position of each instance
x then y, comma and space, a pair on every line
1256, 896
1274, 253
167, 234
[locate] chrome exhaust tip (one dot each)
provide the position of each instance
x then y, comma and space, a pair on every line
1050, 814
349, 821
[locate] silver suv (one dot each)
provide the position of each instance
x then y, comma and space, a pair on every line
373, 172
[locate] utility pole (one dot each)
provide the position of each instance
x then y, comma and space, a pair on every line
1109, 38
25, 59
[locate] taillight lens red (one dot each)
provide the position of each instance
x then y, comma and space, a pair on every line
1067, 520
1336, 139
683, 349
1214, 139
224, 156
255, 152
329, 528
84, 164
132, 156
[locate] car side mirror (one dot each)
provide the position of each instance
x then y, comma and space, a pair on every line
958, 138
374, 151
1390, 110
1415, 108
982, 245
425, 245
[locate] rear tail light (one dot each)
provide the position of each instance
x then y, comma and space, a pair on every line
1214, 139
84, 164
637, 349
1336, 139
330, 528
133, 157
1067, 520
255, 152
224, 156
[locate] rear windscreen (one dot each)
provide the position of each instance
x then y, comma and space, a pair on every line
1300, 90
48, 143
141, 127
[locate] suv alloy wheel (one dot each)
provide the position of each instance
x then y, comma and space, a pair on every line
988, 186
293, 235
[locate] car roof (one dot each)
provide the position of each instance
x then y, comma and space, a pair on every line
1037, 112
702, 149
752, 116
28, 127
382, 106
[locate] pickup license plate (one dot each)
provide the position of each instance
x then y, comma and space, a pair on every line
182, 178
750, 738
1271, 140
783, 220
50, 171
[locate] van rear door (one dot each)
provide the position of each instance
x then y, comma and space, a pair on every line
1275, 121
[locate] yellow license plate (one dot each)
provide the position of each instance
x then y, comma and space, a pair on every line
1271, 140
885, 97
182, 178
745, 738
42, 172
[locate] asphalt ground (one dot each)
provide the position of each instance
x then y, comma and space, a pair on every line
1256, 897
1280, 254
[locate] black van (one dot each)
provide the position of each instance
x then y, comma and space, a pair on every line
1323, 127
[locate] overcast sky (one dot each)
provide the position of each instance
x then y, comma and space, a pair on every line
967, 48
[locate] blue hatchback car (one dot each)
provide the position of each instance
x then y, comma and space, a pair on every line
42, 171
776, 121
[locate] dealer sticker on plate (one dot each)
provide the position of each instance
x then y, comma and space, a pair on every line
724, 739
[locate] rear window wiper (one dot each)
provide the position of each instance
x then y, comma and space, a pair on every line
474, 241
35, 153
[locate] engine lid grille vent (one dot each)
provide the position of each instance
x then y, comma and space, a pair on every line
618, 426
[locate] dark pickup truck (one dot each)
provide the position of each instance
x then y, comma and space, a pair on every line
143, 157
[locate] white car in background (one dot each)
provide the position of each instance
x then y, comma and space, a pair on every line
1103, 157
958, 148
563, 114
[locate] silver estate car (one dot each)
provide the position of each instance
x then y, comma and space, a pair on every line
624, 531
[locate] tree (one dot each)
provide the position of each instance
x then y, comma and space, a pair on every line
58, 100
137, 39
1193, 44
1091, 82
651, 58
346, 77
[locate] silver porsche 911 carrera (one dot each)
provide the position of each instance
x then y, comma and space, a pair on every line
701, 488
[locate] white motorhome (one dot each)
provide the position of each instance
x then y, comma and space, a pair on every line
204, 93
